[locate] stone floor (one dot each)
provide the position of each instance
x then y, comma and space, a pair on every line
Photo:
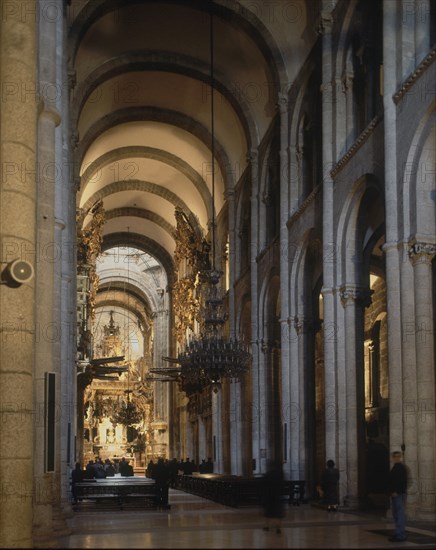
194, 522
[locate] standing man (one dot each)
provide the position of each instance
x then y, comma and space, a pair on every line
397, 489
330, 486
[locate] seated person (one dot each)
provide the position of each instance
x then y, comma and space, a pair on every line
99, 469
125, 468
90, 470
77, 475
109, 468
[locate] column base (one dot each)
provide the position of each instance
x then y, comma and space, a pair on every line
352, 502
45, 539
60, 526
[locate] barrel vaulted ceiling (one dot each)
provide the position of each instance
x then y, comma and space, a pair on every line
141, 105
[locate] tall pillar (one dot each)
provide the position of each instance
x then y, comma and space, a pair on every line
257, 406
18, 119
423, 24
235, 417
295, 412
283, 352
421, 255
217, 433
349, 109
403, 382
201, 439
235, 424
353, 299
47, 477
328, 290
301, 326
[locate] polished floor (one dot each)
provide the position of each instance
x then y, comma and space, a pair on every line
194, 522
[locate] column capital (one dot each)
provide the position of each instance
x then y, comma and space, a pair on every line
328, 290
282, 103
72, 78
325, 22
230, 193
74, 139
420, 252
303, 324
252, 156
347, 81
48, 110
351, 294
269, 345
326, 88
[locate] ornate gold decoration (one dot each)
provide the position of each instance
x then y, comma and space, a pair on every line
191, 256
89, 243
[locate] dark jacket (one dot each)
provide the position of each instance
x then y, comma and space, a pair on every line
329, 484
398, 479
272, 491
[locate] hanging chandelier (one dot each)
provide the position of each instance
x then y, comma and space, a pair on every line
127, 414
210, 357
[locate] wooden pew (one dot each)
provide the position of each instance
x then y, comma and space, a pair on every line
120, 490
236, 490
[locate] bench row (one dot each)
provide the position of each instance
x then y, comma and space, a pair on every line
236, 491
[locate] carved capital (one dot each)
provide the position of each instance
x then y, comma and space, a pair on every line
325, 23
252, 156
268, 346
282, 102
327, 88
354, 294
420, 252
348, 81
74, 139
71, 76
302, 324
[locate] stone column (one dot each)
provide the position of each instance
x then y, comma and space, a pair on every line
218, 463
421, 255
230, 194
236, 443
271, 434
423, 24
349, 109
295, 411
402, 429
235, 401
295, 177
257, 405
403, 383
284, 261
47, 481
201, 439
301, 327
18, 119
353, 298
329, 247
